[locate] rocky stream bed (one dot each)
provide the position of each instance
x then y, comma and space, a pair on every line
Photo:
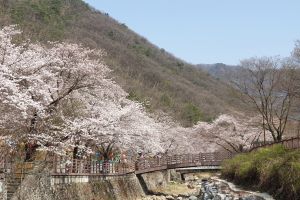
196, 187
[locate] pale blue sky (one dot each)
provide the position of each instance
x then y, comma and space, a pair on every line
211, 31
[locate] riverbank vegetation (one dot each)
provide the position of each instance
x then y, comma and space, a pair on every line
275, 170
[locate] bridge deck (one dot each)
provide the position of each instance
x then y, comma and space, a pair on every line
202, 160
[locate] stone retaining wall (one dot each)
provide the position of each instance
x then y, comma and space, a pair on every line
44, 187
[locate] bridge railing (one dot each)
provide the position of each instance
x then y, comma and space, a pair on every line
185, 160
92, 167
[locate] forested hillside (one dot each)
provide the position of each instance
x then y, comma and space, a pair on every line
148, 73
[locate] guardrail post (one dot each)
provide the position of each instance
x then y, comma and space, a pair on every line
55, 164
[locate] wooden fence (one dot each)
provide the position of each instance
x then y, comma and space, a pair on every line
292, 143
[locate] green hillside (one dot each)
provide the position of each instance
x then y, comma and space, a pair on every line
146, 72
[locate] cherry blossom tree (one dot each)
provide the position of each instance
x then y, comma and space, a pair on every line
61, 96
38, 83
231, 133
227, 133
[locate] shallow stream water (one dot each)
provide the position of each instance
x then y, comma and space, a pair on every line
208, 187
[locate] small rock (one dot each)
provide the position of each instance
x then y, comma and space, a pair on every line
252, 198
170, 197
193, 198
217, 197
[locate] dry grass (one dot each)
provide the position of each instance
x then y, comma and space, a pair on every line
174, 188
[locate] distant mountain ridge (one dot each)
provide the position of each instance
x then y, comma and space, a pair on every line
148, 73
220, 70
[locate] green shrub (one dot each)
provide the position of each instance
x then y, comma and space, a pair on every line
166, 100
275, 170
134, 96
111, 35
192, 113
142, 49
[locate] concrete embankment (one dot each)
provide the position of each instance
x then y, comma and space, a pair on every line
39, 187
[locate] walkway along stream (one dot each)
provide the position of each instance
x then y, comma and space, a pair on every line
64, 170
